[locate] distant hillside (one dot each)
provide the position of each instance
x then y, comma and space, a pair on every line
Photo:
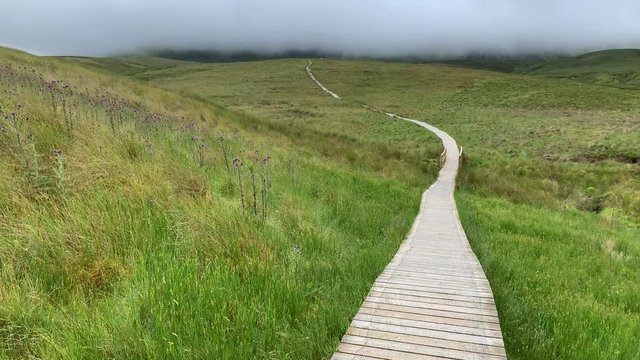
618, 68
501, 63
213, 56
128, 65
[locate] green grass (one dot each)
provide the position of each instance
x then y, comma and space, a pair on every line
280, 95
616, 68
550, 196
117, 241
566, 283
140, 252
530, 140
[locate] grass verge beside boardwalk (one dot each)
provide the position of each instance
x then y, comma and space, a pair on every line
566, 283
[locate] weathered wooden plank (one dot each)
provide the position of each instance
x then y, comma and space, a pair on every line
342, 356
454, 274
458, 329
435, 271
445, 286
389, 334
469, 307
444, 289
383, 353
471, 285
418, 349
425, 260
417, 304
399, 312
430, 312
428, 297
433, 264
407, 274
436, 291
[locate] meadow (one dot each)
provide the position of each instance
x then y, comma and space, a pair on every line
138, 223
126, 231
548, 194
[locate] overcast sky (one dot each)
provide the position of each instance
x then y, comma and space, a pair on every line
351, 27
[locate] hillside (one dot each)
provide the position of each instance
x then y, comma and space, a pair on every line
548, 192
126, 231
131, 65
139, 223
617, 68
501, 63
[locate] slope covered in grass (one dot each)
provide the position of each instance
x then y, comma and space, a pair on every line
127, 230
550, 196
280, 98
617, 68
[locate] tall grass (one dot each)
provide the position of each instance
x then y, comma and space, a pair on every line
566, 282
550, 190
123, 237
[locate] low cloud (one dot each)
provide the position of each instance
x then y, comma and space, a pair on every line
350, 27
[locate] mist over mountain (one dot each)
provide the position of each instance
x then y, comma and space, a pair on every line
352, 28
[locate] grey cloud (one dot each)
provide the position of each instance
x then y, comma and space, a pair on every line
350, 27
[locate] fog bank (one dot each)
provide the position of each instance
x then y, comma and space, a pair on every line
373, 28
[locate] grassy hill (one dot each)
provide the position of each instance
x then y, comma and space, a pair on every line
501, 63
132, 241
139, 223
130, 65
617, 68
549, 192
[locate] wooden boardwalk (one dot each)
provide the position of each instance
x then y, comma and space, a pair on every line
433, 300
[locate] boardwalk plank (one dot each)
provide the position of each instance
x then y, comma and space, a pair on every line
399, 312
418, 349
389, 334
342, 356
383, 353
431, 312
428, 297
468, 307
463, 330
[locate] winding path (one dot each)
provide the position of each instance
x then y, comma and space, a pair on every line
433, 300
